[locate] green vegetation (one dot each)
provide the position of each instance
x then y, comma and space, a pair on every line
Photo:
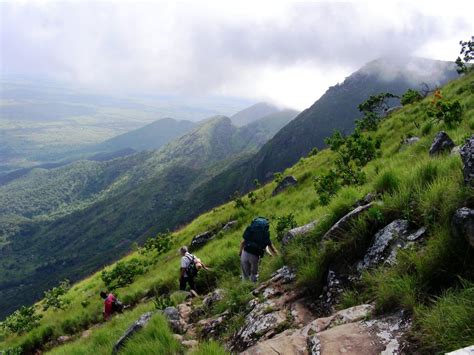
410, 96
432, 280
54, 298
467, 51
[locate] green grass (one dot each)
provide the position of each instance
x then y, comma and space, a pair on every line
410, 185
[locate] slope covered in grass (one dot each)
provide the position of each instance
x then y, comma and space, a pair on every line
432, 281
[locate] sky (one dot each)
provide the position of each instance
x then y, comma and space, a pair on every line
287, 53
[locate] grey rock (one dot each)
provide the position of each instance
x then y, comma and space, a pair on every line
135, 327
212, 328
388, 241
463, 224
64, 339
284, 274
229, 225
441, 143
284, 184
469, 350
171, 313
467, 156
202, 239
344, 222
213, 297
411, 140
366, 200
302, 230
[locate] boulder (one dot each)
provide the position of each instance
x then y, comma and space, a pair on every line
441, 143
284, 184
345, 221
463, 224
288, 342
295, 232
213, 327
330, 294
464, 351
202, 239
135, 327
213, 297
467, 156
229, 225
387, 242
284, 275
174, 319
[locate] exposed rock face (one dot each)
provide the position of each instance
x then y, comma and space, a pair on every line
441, 143
295, 232
284, 184
174, 319
212, 327
463, 224
387, 242
213, 297
344, 222
467, 156
201, 239
229, 225
288, 342
330, 294
135, 327
464, 351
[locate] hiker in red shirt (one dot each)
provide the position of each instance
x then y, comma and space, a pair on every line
109, 301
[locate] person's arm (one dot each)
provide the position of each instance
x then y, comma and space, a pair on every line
273, 249
242, 243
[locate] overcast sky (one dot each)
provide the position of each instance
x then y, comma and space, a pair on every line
288, 53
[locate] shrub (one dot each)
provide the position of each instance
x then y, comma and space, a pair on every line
278, 177
160, 244
313, 152
252, 196
410, 96
122, 274
284, 224
238, 201
53, 298
22, 320
326, 186
442, 110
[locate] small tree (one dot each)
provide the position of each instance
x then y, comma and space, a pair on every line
284, 224
410, 96
122, 274
467, 53
22, 320
161, 243
442, 110
238, 201
327, 186
54, 298
335, 141
373, 109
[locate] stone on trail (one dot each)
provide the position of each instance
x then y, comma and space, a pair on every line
135, 327
284, 184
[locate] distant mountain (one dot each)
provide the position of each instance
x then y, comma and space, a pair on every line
253, 113
150, 137
67, 222
336, 109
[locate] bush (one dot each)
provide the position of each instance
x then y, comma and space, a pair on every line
410, 96
122, 274
53, 298
284, 224
326, 186
448, 112
160, 244
313, 152
22, 320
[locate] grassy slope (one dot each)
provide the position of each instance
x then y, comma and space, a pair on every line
422, 189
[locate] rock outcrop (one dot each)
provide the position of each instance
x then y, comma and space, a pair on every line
469, 350
467, 156
463, 224
342, 225
284, 184
298, 231
441, 143
174, 319
202, 239
411, 140
135, 327
387, 241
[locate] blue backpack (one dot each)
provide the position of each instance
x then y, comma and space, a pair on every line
257, 236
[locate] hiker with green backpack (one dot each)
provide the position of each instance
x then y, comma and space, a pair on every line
255, 241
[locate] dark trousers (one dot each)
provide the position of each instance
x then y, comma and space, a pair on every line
186, 280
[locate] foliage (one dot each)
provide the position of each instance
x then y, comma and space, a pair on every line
278, 177
122, 274
160, 244
53, 298
162, 302
252, 196
22, 320
238, 201
373, 109
284, 224
326, 186
442, 110
335, 141
313, 152
410, 96
467, 50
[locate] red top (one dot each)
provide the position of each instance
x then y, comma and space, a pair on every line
108, 306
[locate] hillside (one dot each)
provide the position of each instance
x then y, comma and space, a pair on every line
253, 113
150, 137
413, 286
69, 221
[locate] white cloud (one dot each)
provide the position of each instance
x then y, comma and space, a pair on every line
284, 52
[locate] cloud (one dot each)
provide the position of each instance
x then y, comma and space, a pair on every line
285, 52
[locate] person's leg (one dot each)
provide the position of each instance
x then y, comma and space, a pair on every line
253, 261
182, 284
245, 265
